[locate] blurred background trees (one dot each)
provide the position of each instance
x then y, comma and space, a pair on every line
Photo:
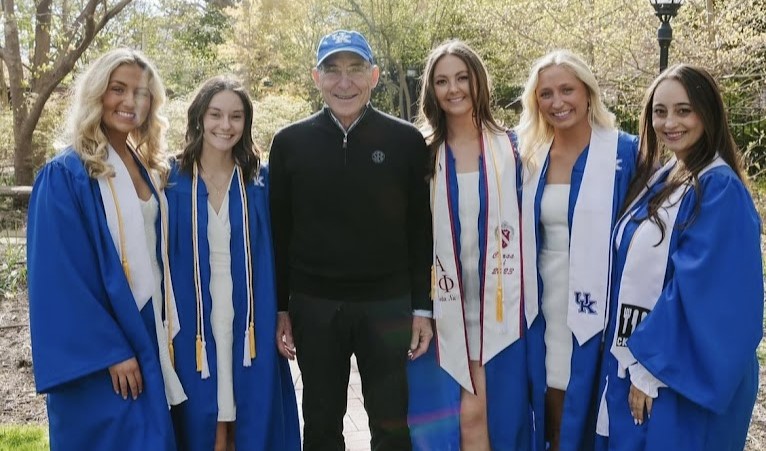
271, 45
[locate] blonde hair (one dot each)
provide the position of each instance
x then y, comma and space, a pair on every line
84, 131
533, 130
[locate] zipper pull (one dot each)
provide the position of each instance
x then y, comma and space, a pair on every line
345, 149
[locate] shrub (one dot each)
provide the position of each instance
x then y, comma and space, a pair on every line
274, 112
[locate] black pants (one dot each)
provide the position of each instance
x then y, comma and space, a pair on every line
326, 334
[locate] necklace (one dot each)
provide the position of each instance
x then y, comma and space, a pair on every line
208, 178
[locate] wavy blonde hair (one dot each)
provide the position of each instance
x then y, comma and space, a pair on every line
533, 130
84, 131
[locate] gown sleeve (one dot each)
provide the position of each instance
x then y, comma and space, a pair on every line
703, 332
74, 332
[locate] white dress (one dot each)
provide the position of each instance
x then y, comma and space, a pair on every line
554, 270
149, 211
222, 315
468, 204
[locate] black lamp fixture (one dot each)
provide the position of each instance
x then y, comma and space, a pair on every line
665, 10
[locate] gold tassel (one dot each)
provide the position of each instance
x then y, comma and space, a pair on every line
199, 353
251, 334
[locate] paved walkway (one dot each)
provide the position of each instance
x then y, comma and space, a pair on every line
356, 428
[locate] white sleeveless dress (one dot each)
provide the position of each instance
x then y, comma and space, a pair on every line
222, 314
468, 205
553, 264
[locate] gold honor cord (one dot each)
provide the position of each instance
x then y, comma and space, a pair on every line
164, 250
250, 328
121, 231
498, 231
164, 237
250, 325
197, 277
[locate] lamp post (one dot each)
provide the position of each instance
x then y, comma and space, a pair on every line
665, 10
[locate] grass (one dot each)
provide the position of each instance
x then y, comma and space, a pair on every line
23, 438
13, 268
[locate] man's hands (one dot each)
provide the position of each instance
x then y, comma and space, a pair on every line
126, 376
422, 332
285, 344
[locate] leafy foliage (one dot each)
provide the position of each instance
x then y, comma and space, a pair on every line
181, 37
271, 113
271, 45
274, 112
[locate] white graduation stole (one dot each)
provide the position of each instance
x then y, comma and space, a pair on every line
125, 222
501, 297
126, 226
249, 349
643, 276
590, 234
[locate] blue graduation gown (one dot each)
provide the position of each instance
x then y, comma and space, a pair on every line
267, 414
84, 319
580, 401
701, 337
434, 396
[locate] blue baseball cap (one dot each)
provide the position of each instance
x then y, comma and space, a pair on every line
343, 41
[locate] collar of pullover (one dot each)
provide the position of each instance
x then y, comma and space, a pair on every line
337, 122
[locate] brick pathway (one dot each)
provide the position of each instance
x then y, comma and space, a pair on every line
356, 428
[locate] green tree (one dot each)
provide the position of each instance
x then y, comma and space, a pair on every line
182, 37
42, 43
272, 44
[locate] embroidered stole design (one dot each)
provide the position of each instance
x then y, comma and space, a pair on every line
125, 223
590, 232
500, 285
249, 337
643, 277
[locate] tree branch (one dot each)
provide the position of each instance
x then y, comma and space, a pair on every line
42, 34
66, 60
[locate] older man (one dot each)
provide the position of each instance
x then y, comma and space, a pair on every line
352, 237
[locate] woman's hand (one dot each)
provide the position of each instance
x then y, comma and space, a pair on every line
638, 400
126, 375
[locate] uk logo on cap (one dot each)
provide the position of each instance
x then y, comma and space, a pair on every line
341, 37
343, 41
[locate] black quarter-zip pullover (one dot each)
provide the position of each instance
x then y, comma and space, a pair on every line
350, 209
